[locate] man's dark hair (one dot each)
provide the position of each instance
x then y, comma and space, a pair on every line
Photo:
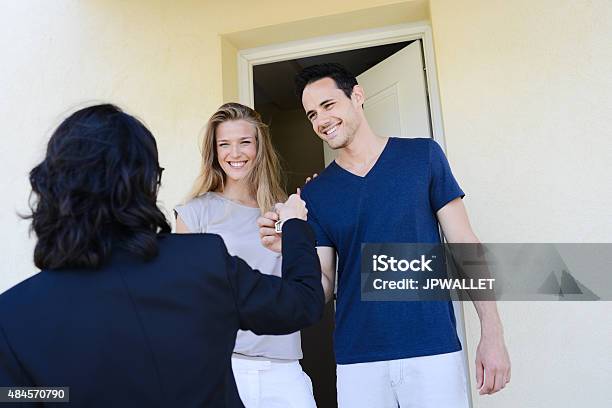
344, 80
96, 189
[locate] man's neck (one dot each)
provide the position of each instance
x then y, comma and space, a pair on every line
361, 154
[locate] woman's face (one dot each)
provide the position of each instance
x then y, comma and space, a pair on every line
236, 146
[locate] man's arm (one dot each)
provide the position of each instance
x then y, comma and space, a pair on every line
492, 360
327, 258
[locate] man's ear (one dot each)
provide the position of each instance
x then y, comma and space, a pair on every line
358, 95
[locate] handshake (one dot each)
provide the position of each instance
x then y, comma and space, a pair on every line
271, 222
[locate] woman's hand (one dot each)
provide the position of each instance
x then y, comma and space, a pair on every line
311, 178
294, 207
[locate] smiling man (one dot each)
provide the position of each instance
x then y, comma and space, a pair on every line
386, 189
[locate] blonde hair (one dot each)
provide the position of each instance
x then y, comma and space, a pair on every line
264, 179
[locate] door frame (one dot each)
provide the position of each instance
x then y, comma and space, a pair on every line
344, 42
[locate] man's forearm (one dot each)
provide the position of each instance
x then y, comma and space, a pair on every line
328, 287
490, 323
492, 360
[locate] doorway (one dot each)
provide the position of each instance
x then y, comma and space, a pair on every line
395, 78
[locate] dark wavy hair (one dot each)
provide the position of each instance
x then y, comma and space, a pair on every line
96, 189
345, 81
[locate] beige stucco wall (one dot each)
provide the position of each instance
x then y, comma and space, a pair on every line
527, 103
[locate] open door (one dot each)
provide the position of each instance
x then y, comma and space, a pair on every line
396, 96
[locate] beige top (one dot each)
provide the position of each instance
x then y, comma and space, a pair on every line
237, 225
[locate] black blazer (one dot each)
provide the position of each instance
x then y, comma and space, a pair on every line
157, 333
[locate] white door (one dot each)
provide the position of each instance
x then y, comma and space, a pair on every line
396, 96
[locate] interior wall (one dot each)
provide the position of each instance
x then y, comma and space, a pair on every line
526, 96
300, 149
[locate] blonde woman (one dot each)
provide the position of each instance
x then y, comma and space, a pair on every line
240, 180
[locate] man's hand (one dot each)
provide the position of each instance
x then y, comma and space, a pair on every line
492, 363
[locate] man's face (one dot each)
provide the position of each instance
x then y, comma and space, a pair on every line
335, 118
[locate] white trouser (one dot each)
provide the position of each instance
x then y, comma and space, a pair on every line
419, 382
272, 384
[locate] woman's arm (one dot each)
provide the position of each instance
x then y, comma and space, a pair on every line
181, 228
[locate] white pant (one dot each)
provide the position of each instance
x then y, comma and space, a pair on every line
272, 384
419, 382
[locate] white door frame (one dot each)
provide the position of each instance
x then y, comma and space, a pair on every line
345, 42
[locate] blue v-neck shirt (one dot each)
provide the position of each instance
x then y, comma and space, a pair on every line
396, 201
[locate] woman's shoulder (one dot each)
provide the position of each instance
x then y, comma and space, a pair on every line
194, 213
199, 201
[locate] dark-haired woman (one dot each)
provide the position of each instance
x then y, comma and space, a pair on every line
124, 313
